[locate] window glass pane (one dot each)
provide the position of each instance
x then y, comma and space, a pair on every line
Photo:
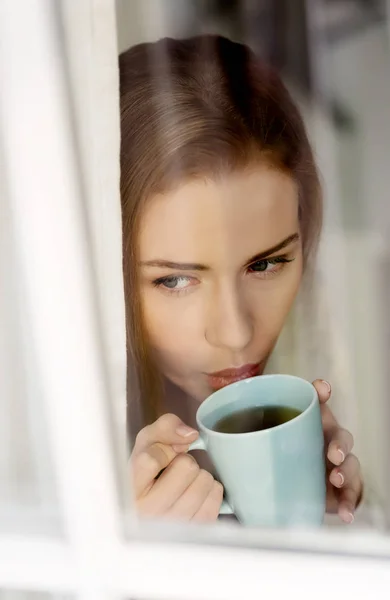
337, 326
30, 443
28, 500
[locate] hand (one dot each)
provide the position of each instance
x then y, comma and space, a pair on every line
343, 480
167, 481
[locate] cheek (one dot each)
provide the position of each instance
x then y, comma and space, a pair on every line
271, 304
172, 326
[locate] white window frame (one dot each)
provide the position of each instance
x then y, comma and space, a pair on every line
95, 561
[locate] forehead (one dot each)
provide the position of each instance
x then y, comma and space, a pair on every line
208, 220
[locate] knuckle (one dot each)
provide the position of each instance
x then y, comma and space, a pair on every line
186, 462
165, 424
168, 422
213, 504
206, 478
218, 490
139, 438
353, 463
142, 436
145, 461
345, 433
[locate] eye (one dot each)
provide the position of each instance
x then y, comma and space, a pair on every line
260, 266
269, 266
173, 283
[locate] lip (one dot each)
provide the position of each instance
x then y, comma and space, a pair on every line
221, 379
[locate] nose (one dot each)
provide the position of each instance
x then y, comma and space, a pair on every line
229, 324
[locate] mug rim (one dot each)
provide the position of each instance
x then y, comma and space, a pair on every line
313, 403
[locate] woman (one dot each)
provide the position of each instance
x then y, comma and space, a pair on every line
221, 212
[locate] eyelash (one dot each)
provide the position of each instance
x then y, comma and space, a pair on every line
277, 260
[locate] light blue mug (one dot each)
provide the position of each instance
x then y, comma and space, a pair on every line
272, 477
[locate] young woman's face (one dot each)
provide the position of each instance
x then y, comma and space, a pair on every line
220, 265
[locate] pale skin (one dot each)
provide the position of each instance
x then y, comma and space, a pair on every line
220, 266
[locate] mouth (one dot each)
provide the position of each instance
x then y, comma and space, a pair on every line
221, 379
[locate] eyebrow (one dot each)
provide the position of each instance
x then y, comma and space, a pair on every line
168, 264
289, 240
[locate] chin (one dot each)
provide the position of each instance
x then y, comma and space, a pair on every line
196, 390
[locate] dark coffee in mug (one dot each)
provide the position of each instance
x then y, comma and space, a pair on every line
255, 418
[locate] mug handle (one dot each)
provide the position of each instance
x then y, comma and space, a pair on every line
199, 445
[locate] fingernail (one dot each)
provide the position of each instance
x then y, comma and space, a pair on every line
342, 455
327, 385
350, 518
342, 478
185, 431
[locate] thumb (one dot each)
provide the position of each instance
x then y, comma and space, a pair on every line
168, 430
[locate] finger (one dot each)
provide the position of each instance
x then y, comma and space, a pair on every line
172, 484
324, 390
210, 508
340, 446
329, 423
187, 506
348, 500
180, 448
146, 465
332, 498
168, 429
346, 473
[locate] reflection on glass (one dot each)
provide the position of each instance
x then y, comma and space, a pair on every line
222, 213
